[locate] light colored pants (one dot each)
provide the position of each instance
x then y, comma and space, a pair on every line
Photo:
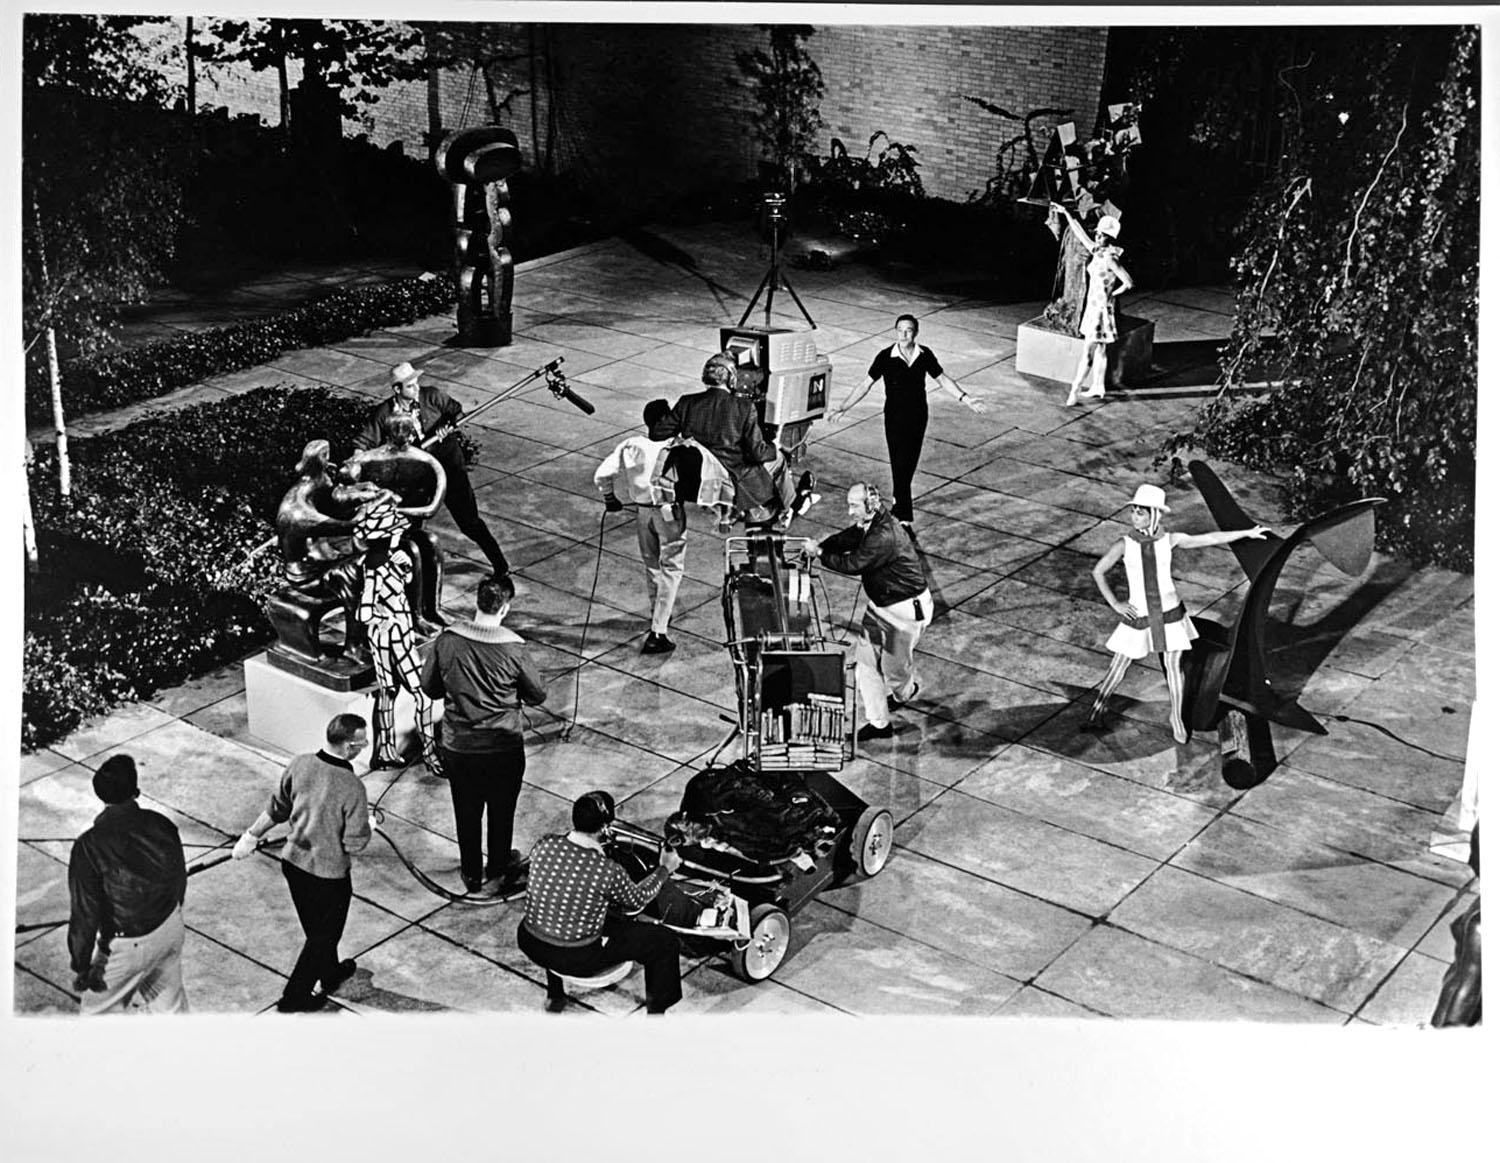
140, 973
661, 531
883, 662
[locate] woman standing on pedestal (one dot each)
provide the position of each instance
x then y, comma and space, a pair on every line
1107, 280
903, 368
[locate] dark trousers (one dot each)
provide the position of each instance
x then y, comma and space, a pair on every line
622, 940
483, 782
322, 907
903, 441
465, 509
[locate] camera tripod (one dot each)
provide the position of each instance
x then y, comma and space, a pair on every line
774, 280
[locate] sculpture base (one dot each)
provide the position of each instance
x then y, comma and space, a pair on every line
334, 674
1054, 355
292, 713
485, 331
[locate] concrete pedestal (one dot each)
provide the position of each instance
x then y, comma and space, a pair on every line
292, 713
1451, 837
1054, 355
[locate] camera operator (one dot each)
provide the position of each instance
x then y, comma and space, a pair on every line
729, 427
570, 926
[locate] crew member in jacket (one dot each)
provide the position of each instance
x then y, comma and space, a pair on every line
435, 412
877, 550
126, 881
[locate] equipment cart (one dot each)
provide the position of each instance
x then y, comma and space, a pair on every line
796, 728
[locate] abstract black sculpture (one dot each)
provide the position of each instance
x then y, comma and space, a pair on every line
478, 162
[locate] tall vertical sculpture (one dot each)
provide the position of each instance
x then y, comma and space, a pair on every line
477, 162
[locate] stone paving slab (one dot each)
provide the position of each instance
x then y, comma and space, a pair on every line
1311, 898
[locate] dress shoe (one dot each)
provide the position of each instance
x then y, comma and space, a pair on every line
556, 1005
658, 644
870, 731
310, 1004
388, 762
515, 865
896, 704
341, 973
472, 884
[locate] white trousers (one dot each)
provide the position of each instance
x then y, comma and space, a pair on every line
661, 531
883, 658
140, 973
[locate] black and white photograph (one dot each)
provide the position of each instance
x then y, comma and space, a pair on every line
773, 539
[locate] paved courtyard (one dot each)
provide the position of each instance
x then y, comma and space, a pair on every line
1037, 871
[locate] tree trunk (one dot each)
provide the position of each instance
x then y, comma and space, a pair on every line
28, 527
192, 71
54, 372
283, 89
536, 145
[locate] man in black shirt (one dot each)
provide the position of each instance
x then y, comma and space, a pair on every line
126, 881
877, 550
904, 368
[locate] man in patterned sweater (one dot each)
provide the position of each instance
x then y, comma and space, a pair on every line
569, 925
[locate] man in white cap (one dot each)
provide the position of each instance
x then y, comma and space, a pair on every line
435, 412
1154, 620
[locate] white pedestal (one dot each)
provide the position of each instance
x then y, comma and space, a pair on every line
1054, 355
1451, 837
292, 713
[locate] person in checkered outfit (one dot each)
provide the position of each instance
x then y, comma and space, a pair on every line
385, 613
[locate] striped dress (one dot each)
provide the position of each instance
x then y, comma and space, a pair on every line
1164, 624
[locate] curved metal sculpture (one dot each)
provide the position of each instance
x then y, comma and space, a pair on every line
478, 162
1227, 681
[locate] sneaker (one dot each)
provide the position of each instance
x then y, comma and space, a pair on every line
342, 973
895, 704
870, 731
658, 644
310, 1004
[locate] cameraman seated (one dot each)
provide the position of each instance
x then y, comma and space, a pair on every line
570, 926
729, 427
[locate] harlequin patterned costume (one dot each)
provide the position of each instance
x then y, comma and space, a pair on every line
385, 612
1148, 574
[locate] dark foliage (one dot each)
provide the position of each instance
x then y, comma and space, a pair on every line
1358, 289
147, 575
153, 369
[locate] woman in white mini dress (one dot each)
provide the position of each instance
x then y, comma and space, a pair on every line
1107, 280
1154, 620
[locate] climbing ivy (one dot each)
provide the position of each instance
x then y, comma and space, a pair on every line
1351, 367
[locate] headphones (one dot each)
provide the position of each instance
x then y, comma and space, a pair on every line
874, 502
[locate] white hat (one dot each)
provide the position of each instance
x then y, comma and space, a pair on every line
1151, 497
403, 373
1109, 226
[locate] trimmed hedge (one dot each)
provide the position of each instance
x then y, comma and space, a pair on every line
148, 576
153, 369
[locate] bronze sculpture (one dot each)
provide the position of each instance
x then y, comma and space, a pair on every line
477, 162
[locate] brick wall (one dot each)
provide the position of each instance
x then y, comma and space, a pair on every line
650, 109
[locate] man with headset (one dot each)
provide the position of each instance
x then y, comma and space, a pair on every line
580, 905
878, 550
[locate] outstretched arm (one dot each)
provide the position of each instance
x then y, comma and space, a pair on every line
950, 385
1202, 540
1074, 225
864, 390
1106, 563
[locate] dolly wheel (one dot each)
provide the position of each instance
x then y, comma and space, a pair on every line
770, 934
870, 842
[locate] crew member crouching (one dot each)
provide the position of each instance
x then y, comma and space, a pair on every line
579, 905
877, 550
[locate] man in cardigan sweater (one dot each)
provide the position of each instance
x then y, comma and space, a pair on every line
481, 671
324, 804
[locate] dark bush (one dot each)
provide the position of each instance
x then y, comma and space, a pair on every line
153, 369
155, 569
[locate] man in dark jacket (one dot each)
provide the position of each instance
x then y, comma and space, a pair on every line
481, 671
127, 880
728, 426
435, 412
878, 551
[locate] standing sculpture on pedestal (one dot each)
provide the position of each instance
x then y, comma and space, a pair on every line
477, 162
